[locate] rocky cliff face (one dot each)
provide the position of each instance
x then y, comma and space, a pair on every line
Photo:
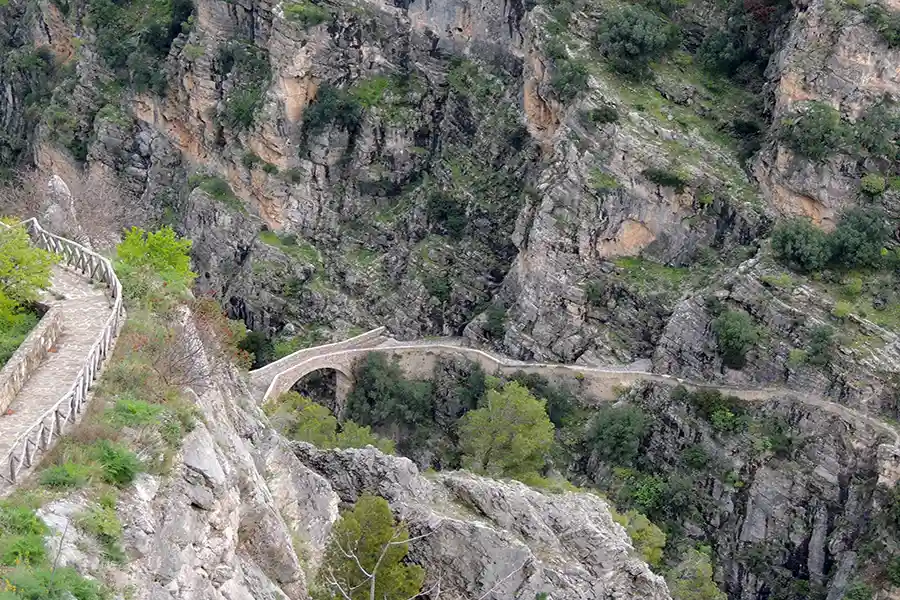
792, 504
246, 514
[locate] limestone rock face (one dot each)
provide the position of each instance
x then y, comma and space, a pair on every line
492, 539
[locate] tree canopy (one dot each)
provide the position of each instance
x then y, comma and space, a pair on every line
364, 559
24, 268
509, 436
149, 261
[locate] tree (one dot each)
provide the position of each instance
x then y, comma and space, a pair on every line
359, 436
800, 244
735, 334
820, 346
509, 436
859, 237
691, 578
616, 434
24, 269
648, 539
816, 132
631, 36
364, 558
149, 261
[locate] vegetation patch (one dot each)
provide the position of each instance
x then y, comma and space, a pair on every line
248, 70
219, 189
304, 13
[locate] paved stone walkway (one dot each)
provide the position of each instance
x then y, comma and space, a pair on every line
85, 309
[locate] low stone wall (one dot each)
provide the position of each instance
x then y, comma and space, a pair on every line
29, 356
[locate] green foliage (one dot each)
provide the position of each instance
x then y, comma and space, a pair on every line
631, 36
250, 159
893, 570
648, 539
131, 412
447, 213
872, 184
495, 322
735, 335
691, 578
382, 396
368, 548
67, 475
510, 436
134, 38
816, 132
859, 237
569, 79
616, 434
48, 583
332, 106
21, 535
885, 21
604, 114
299, 418
119, 464
797, 357
821, 346
800, 244
219, 189
154, 263
560, 401
723, 412
666, 178
370, 92
858, 591
593, 292
352, 435
24, 268
878, 131
15, 325
305, 13
248, 68
695, 457
101, 521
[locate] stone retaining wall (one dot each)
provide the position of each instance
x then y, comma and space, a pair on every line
29, 356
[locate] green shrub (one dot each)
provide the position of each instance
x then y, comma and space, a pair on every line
816, 132
103, 523
893, 570
20, 520
604, 114
25, 549
332, 106
859, 237
858, 591
269, 168
695, 457
616, 434
872, 184
154, 264
248, 68
841, 310
447, 213
569, 79
66, 475
821, 346
632, 36
648, 539
306, 14
495, 324
800, 244
593, 292
352, 435
119, 464
131, 412
735, 334
666, 178
885, 21
250, 159
797, 357
878, 131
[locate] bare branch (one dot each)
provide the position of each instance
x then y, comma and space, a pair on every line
508, 575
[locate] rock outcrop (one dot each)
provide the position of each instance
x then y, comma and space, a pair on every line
491, 539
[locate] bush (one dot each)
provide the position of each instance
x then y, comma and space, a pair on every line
841, 310
616, 434
305, 13
569, 79
872, 184
648, 539
510, 436
878, 131
858, 591
666, 178
893, 570
695, 457
119, 464
103, 523
495, 323
821, 345
800, 244
447, 213
604, 114
248, 68
886, 22
144, 258
859, 238
560, 402
352, 435
66, 475
632, 36
25, 549
332, 106
816, 132
735, 334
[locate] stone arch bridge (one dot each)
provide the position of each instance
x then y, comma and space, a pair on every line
417, 359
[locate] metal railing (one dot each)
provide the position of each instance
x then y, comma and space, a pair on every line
53, 422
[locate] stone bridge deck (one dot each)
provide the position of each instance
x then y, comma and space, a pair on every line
417, 359
85, 311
